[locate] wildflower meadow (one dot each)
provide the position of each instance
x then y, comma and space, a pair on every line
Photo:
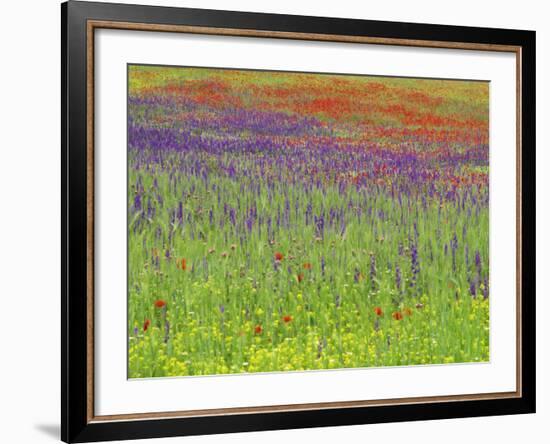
282, 221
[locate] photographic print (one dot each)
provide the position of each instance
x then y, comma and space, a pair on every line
276, 222
290, 221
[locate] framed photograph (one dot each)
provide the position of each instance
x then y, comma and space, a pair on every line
275, 221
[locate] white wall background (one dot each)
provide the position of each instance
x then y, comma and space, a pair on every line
30, 219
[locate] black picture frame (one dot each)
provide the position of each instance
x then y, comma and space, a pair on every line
76, 423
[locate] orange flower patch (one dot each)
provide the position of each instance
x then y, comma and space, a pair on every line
160, 303
397, 315
146, 324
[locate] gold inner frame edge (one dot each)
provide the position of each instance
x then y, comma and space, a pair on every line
104, 24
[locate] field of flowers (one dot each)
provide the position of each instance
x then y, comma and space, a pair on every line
287, 221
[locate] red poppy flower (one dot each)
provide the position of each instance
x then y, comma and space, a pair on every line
258, 329
279, 256
146, 324
287, 319
300, 277
397, 315
160, 303
307, 266
407, 311
183, 264
378, 311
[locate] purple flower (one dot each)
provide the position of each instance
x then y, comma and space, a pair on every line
473, 288
179, 214
415, 265
320, 225
137, 202
398, 277
249, 223
478, 262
